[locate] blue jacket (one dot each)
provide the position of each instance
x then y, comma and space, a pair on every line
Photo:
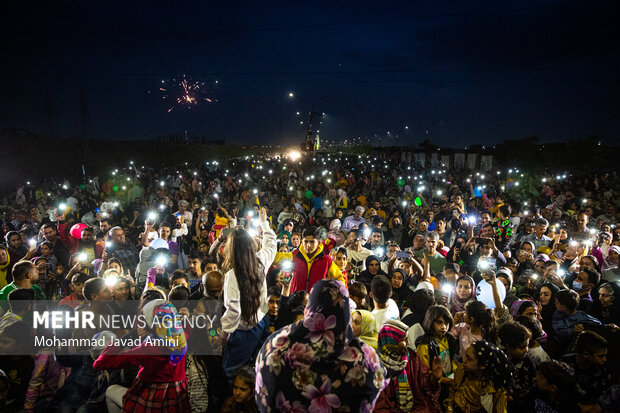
564, 325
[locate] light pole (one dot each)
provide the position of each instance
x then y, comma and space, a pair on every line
311, 143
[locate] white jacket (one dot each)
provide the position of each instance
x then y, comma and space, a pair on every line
231, 320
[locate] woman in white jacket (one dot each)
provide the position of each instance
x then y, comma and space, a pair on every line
244, 323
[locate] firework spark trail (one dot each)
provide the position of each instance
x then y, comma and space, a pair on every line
185, 92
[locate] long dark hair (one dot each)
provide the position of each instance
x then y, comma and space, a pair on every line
241, 256
483, 318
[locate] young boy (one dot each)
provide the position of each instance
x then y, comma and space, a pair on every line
358, 293
76, 286
588, 362
535, 352
555, 388
515, 339
567, 319
273, 301
179, 278
385, 307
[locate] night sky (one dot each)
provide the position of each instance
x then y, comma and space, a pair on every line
466, 71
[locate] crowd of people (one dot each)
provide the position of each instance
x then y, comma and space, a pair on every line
346, 283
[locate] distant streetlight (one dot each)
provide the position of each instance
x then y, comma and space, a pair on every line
291, 94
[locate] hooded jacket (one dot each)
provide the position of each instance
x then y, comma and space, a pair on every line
307, 271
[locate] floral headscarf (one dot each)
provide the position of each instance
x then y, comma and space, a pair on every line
159, 316
316, 364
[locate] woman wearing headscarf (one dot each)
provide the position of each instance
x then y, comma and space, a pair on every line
464, 292
5, 262
343, 201
546, 305
316, 364
373, 268
400, 290
413, 387
480, 382
161, 384
364, 327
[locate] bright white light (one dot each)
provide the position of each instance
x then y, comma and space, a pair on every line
446, 288
162, 206
291, 94
161, 183
483, 265
62, 207
287, 265
111, 281
439, 192
294, 155
327, 202
252, 232
161, 260
250, 214
32, 242
82, 256
152, 215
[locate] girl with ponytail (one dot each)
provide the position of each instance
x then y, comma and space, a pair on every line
477, 322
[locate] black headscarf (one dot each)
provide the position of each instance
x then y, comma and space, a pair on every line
365, 276
400, 294
497, 366
548, 310
418, 302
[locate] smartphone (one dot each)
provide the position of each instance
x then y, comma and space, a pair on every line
403, 254
179, 215
226, 231
287, 276
97, 210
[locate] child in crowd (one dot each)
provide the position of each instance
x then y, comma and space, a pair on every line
555, 388
515, 339
436, 342
364, 327
385, 307
358, 293
161, 385
535, 351
588, 362
76, 297
242, 399
481, 382
476, 323
567, 319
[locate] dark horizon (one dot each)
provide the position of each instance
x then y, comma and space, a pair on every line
466, 74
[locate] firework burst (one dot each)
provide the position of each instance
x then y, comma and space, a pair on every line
183, 91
